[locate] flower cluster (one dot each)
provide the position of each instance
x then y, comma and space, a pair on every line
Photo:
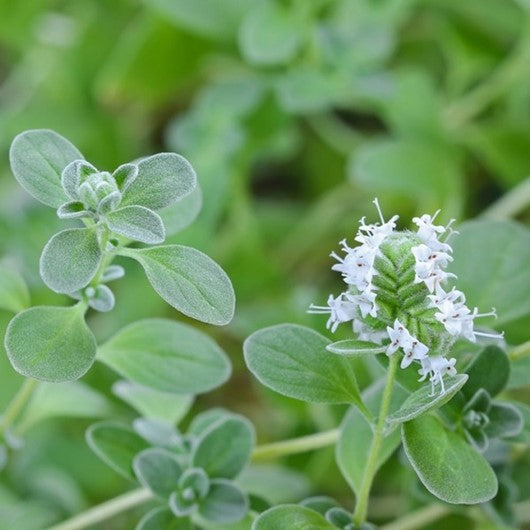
396, 295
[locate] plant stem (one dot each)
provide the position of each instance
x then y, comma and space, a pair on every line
296, 445
17, 404
418, 519
361, 507
104, 511
511, 203
521, 351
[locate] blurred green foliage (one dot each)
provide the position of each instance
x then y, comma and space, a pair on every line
294, 114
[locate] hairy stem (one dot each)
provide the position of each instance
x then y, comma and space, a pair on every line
418, 519
361, 507
104, 511
17, 404
296, 445
511, 203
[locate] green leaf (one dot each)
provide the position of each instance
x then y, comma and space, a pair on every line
189, 281
356, 435
167, 356
269, 34
116, 445
524, 435
293, 361
446, 464
162, 179
224, 449
355, 347
50, 343
181, 214
158, 470
71, 399
225, 503
422, 400
70, 259
14, 294
37, 159
502, 248
152, 403
489, 370
505, 420
163, 519
291, 517
137, 223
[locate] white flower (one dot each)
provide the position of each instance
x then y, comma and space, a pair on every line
453, 316
338, 309
399, 337
415, 351
365, 301
441, 296
436, 367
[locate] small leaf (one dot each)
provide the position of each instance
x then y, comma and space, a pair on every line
72, 176
204, 420
489, 370
524, 435
167, 356
355, 347
137, 223
152, 403
269, 34
447, 466
73, 210
70, 259
225, 448
101, 299
422, 400
162, 179
116, 445
158, 470
112, 272
163, 519
293, 361
291, 517
157, 432
50, 343
125, 175
37, 159
189, 281
14, 294
225, 503
505, 421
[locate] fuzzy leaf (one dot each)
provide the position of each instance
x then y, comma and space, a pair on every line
163, 519
225, 448
422, 401
50, 343
137, 223
503, 250
225, 503
293, 361
72, 210
269, 34
291, 517
72, 176
189, 281
489, 370
162, 179
102, 299
446, 464
152, 403
505, 420
70, 259
355, 347
14, 294
116, 445
158, 470
37, 159
167, 356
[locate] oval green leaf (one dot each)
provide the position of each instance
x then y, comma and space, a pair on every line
50, 343
137, 223
291, 517
224, 448
167, 356
293, 361
446, 464
70, 259
14, 294
189, 281
163, 519
116, 445
162, 179
225, 503
157, 470
422, 400
489, 370
37, 159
